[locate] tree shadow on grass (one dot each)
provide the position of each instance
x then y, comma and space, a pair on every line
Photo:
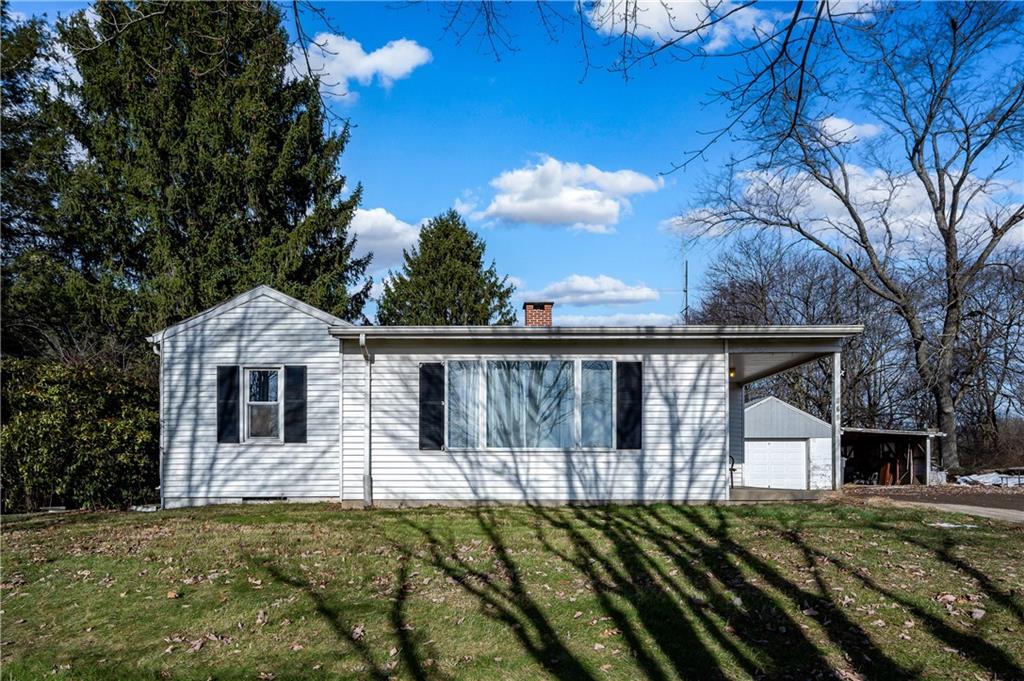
975, 648
675, 593
504, 598
943, 549
408, 642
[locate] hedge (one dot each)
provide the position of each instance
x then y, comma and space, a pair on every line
77, 436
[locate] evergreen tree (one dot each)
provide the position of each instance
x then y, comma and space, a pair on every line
207, 169
443, 281
33, 148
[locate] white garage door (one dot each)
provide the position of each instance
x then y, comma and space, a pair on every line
778, 464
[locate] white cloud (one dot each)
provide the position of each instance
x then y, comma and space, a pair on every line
552, 192
338, 60
578, 289
711, 25
623, 319
894, 206
384, 234
465, 204
659, 21
843, 130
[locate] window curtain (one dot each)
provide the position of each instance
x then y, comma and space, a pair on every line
463, 404
596, 403
530, 404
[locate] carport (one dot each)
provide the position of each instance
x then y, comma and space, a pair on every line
751, 360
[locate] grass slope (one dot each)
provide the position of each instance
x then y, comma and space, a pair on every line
295, 592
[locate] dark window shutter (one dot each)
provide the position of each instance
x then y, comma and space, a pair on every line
295, 404
431, 405
629, 405
227, 403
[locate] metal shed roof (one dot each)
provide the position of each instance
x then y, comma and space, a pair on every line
771, 418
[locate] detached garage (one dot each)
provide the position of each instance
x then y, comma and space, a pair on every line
784, 448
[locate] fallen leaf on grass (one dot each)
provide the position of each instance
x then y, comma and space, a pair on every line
295, 647
261, 617
197, 645
878, 623
173, 594
578, 614
977, 614
358, 632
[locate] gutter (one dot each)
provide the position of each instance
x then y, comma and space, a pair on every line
543, 333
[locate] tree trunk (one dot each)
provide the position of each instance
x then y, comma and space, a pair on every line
947, 423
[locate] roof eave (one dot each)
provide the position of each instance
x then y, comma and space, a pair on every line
602, 332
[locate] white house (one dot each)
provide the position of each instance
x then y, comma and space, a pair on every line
265, 397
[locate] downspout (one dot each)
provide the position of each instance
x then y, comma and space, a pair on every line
160, 415
367, 430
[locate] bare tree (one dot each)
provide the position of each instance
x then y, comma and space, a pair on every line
773, 48
763, 279
920, 211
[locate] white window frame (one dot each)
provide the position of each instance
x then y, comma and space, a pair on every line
280, 405
577, 361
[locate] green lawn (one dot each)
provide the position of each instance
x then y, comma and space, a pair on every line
320, 592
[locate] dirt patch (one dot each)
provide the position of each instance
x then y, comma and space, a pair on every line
965, 495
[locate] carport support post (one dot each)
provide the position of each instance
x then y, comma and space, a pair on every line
928, 460
837, 431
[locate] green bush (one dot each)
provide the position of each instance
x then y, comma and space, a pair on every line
82, 436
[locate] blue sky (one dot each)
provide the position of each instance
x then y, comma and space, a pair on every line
561, 176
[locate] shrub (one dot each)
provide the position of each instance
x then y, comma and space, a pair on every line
77, 436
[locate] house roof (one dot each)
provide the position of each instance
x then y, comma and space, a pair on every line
831, 332
770, 417
261, 291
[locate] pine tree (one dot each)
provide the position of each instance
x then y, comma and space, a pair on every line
443, 281
207, 169
33, 149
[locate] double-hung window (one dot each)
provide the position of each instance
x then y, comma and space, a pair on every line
263, 404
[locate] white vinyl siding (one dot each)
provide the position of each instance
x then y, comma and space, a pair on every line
821, 462
683, 456
262, 332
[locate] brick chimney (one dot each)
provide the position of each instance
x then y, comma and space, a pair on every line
537, 314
